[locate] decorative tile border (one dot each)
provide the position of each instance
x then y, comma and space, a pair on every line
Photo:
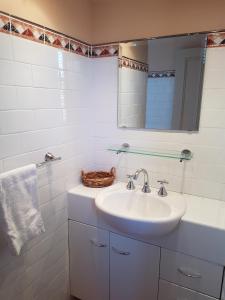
79, 48
56, 40
105, 50
125, 62
28, 30
36, 33
4, 23
161, 74
216, 39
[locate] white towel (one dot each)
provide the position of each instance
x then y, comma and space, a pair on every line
20, 218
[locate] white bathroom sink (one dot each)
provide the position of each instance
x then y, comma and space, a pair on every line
145, 214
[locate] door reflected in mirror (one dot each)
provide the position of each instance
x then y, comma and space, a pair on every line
160, 83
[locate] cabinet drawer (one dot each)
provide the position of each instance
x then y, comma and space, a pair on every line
170, 291
191, 272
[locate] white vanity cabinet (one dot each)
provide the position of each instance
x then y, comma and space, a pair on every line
106, 265
100, 262
89, 262
134, 269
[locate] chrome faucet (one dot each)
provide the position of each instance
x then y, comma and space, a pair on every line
146, 187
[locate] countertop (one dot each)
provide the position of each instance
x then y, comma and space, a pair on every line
201, 232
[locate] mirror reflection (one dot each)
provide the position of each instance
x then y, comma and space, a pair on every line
160, 83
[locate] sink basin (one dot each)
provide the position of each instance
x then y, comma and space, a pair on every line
135, 212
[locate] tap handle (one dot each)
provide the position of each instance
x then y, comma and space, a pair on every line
163, 181
130, 185
162, 190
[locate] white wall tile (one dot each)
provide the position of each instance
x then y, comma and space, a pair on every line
5, 46
47, 118
17, 161
38, 54
212, 118
203, 188
56, 188
132, 98
78, 64
35, 140
213, 98
34, 98
108, 81
14, 73
215, 57
45, 77
8, 98
42, 104
16, 121
10, 145
214, 77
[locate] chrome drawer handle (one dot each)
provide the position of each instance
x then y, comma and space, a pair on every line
120, 252
193, 275
98, 244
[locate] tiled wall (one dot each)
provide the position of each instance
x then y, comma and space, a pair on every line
132, 97
204, 175
42, 108
45, 105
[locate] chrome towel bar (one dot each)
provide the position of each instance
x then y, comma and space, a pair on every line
49, 157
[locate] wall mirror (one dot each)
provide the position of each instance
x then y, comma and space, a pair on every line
160, 83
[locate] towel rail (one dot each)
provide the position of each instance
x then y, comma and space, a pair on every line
49, 157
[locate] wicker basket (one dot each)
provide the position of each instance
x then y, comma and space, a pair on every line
98, 179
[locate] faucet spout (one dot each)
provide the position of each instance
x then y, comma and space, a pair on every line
146, 187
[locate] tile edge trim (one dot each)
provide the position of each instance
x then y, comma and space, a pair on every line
22, 28
13, 25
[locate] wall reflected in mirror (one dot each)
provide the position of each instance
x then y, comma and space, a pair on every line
160, 83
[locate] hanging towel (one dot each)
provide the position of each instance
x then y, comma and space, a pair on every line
20, 218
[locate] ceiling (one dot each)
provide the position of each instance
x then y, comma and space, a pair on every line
102, 1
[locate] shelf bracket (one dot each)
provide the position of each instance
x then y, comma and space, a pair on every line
125, 146
185, 155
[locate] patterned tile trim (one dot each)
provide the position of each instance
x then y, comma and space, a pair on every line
161, 74
79, 48
5, 25
125, 62
56, 40
105, 50
216, 39
28, 30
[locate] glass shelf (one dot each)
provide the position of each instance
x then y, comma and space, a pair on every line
180, 155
